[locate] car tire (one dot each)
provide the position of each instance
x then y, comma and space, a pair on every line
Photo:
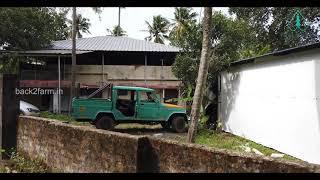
105, 122
165, 125
178, 124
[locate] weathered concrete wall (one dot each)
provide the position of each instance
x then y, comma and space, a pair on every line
93, 73
85, 149
76, 149
185, 158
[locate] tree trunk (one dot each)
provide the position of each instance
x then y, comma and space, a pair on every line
73, 66
202, 74
118, 30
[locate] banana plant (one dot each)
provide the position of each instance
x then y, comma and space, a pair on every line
186, 99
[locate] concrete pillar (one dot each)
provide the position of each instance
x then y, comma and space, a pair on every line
59, 86
145, 69
55, 103
103, 80
163, 95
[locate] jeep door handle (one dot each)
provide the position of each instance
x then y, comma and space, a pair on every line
141, 104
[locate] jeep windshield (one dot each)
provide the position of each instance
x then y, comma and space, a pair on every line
148, 96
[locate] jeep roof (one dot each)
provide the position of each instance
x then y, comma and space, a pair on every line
132, 88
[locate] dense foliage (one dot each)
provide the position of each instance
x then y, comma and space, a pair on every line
273, 26
250, 32
30, 28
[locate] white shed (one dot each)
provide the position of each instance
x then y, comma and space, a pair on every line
274, 100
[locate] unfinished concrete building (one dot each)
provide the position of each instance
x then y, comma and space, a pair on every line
117, 60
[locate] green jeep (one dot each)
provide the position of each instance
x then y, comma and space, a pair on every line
125, 104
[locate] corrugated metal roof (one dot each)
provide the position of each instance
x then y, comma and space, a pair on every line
278, 53
53, 51
112, 43
46, 51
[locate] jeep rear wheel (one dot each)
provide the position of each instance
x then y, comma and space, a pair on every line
105, 122
179, 124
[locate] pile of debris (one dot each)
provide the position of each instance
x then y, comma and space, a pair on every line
247, 148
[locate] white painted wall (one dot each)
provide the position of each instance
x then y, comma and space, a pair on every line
276, 102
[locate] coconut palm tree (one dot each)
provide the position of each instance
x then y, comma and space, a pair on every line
73, 56
97, 10
183, 18
82, 26
202, 74
158, 29
117, 31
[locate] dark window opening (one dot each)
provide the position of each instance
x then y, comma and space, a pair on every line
126, 101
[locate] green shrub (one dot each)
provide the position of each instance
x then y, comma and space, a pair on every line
24, 165
60, 117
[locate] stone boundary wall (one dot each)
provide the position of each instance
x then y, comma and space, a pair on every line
71, 148
183, 157
76, 149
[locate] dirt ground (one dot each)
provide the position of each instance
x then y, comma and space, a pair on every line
142, 129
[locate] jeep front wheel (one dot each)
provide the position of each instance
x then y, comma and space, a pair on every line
178, 124
105, 122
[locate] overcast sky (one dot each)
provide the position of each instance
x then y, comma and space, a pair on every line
132, 19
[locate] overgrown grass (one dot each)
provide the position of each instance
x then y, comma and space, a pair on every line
19, 164
229, 141
2, 169
24, 165
62, 117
